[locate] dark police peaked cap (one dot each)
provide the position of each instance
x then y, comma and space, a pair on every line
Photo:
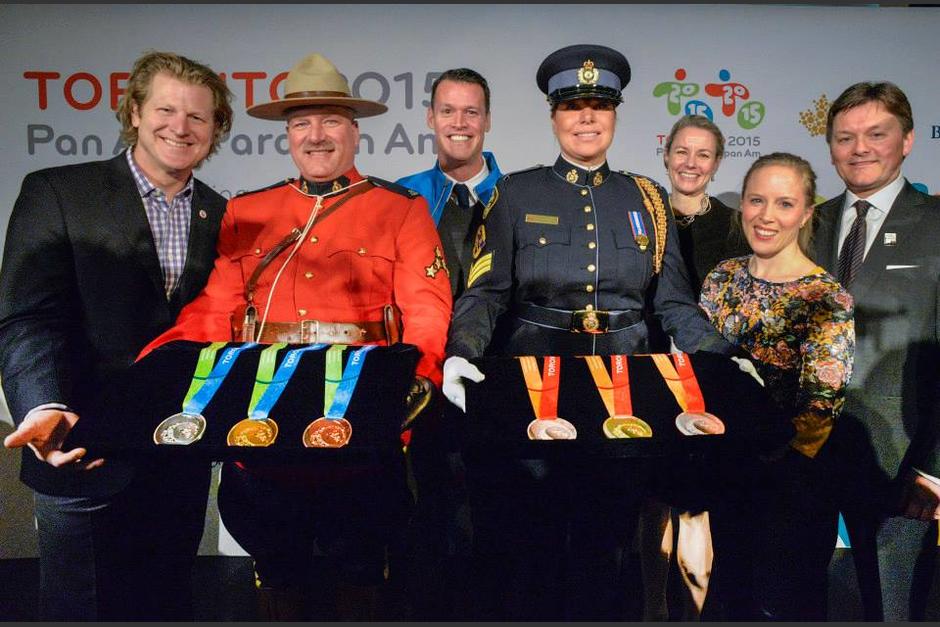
583, 71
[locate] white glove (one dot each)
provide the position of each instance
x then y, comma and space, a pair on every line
455, 370
745, 365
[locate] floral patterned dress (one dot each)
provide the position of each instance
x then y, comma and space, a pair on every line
801, 335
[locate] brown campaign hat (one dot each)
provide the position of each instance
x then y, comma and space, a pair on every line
313, 81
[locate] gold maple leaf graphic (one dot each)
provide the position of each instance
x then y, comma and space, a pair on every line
814, 120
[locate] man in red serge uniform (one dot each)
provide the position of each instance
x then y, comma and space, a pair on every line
329, 257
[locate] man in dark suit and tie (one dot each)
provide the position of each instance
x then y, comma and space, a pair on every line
880, 237
457, 189
99, 258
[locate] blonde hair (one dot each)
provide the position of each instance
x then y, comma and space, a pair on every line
805, 170
183, 69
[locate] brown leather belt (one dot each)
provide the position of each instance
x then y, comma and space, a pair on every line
388, 330
319, 332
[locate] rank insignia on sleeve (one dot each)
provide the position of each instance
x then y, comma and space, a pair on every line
438, 264
480, 267
489, 205
479, 241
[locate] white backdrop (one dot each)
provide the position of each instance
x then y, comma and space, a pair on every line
62, 65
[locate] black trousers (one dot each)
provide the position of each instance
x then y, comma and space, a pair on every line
551, 538
287, 524
895, 560
125, 557
774, 527
432, 563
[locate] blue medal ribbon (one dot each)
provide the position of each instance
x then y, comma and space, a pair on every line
347, 386
203, 397
279, 381
636, 224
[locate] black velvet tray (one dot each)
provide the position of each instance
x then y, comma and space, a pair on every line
153, 389
499, 410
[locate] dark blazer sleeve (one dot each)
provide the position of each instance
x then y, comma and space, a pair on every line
675, 305
37, 298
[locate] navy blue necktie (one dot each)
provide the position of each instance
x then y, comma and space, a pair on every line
463, 195
853, 248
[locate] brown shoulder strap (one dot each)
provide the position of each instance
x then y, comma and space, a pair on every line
292, 237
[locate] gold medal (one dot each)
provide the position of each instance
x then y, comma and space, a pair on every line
642, 241
249, 432
620, 427
327, 433
699, 423
551, 429
180, 429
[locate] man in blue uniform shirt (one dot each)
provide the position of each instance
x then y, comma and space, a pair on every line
457, 188
462, 180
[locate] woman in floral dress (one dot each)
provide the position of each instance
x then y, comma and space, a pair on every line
796, 322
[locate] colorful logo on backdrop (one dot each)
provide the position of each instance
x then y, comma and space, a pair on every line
814, 118
729, 97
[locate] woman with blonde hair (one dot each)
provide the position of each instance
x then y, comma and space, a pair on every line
774, 537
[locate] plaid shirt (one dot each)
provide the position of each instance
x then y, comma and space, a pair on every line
169, 223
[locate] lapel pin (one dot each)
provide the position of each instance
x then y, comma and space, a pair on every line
204, 215
891, 239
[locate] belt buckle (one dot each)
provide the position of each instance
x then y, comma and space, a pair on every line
589, 321
304, 336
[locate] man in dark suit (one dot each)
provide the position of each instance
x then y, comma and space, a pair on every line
880, 236
99, 258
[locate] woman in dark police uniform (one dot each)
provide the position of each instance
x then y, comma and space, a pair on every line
565, 260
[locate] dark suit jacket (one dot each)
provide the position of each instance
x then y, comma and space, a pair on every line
890, 418
81, 292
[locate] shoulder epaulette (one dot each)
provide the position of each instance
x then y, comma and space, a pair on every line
634, 175
524, 170
263, 189
393, 187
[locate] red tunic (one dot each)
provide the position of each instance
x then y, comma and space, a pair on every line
380, 247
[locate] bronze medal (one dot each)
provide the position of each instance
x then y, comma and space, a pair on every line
552, 429
699, 423
620, 427
249, 432
180, 429
327, 433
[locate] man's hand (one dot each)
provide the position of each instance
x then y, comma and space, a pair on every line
745, 365
455, 370
922, 500
44, 431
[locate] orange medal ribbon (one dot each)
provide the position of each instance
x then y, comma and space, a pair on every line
543, 394
671, 377
693, 420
